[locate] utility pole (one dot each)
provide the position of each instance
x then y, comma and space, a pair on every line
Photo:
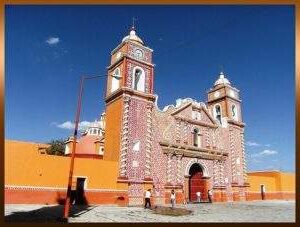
77, 117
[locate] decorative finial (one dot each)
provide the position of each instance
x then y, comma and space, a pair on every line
133, 27
222, 71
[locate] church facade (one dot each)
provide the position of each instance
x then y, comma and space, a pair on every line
189, 147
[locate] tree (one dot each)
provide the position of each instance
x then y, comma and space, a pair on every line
57, 147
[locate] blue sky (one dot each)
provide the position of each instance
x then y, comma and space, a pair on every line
48, 48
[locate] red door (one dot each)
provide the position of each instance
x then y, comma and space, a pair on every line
196, 183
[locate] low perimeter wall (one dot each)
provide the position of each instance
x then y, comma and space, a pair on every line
120, 198
57, 196
271, 196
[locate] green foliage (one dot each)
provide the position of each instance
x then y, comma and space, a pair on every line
57, 147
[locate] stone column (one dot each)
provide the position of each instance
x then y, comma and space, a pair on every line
124, 140
179, 169
148, 161
207, 139
216, 181
232, 155
169, 168
245, 177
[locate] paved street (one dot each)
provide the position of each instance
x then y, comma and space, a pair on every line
254, 211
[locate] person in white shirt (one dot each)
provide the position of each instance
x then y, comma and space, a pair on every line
198, 197
210, 194
147, 198
173, 198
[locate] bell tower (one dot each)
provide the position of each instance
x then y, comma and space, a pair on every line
224, 101
225, 106
129, 103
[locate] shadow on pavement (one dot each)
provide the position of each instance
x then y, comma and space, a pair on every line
46, 214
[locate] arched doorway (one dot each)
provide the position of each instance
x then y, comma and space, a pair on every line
196, 183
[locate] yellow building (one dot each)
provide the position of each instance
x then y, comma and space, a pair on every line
32, 176
271, 184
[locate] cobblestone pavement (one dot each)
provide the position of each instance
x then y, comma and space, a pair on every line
254, 211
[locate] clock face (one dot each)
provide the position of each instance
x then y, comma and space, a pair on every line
217, 94
138, 53
231, 93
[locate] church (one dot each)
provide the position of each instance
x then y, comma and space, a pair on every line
190, 146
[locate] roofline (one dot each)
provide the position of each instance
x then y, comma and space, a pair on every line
24, 141
274, 170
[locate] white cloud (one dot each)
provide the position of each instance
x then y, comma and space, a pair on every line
268, 152
53, 40
265, 153
70, 125
252, 144
66, 125
255, 160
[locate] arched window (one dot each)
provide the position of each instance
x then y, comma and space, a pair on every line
217, 113
115, 81
234, 112
138, 79
196, 138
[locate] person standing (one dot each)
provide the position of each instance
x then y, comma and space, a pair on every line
210, 195
198, 197
173, 198
147, 198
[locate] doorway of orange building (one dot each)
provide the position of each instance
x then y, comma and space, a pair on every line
80, 196
263, 191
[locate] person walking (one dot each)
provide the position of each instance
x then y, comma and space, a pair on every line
173, 198
210, 195
147, 198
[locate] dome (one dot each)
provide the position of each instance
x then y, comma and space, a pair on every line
222, 80
133, 37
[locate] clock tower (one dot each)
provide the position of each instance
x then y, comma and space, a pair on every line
129, 103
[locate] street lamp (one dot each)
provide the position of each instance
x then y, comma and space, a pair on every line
68, 197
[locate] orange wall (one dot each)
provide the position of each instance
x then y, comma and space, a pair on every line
112, 130
274, 181
24, 166
288, 182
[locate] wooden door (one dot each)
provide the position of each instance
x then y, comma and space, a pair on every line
196, 184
